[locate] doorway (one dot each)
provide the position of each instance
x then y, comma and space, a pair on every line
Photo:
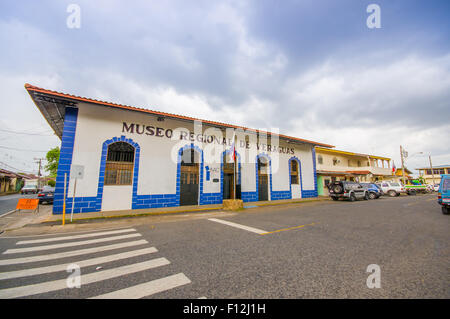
228, 177
189, 177
263, 179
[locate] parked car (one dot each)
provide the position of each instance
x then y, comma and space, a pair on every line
436, 187
374, 190
347, 190
444, 194
46, 195
29, 189
392, 188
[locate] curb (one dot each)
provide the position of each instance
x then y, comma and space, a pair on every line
10, 212
176, 212
131, 215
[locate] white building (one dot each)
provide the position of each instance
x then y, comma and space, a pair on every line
135, 158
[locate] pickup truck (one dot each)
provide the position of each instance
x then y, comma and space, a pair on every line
415, 186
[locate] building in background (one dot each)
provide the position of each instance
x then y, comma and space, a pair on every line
428, 175
10, 182
399, 175
336, 165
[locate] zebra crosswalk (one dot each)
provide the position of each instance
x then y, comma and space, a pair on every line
124, 251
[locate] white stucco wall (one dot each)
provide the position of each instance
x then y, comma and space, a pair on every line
157, 168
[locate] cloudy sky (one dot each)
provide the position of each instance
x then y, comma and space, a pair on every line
312, 69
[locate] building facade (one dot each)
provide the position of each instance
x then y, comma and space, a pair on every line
398, 175
131, 158
430, 175
9, 181
336, 165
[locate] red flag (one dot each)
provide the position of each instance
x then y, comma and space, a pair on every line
233, 149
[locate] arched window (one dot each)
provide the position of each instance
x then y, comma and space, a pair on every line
320, 159
119, 164
294, 172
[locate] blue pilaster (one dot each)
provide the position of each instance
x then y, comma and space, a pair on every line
65, 157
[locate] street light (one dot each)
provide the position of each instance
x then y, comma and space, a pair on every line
431, 165
403, 156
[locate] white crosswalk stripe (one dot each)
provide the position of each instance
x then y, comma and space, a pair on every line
148, 288
86, 279
127, 260
23, 260
82, 263
71, 244
98, 234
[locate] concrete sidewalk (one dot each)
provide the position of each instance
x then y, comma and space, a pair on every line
44, 217
19, 219
169, 210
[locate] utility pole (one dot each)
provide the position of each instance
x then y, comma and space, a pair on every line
403, 164
39, 160
432, 171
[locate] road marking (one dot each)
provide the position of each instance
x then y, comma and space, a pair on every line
148, 288
247, 228
85, 279
79, 243
112, 232
85, 251
65, 233
81, 263
285, 229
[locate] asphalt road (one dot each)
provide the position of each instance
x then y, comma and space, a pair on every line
311, 250
9, 202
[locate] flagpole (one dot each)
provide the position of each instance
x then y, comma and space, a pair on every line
234, 163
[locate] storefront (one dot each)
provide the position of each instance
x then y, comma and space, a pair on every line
133, 158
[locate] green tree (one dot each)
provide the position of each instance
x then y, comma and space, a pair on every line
52, 161
51, 183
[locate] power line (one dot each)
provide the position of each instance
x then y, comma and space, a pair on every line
20, 149
26, 133
16, 159
9, 167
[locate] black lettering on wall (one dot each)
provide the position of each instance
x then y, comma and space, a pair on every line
159, 131
150, 130
183, 135
129, 129
137, 129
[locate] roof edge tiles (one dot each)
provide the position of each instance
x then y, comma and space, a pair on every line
31, 88
352, 153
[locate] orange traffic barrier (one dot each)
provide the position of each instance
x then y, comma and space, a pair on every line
28, 203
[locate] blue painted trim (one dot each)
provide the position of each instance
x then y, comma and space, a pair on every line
295, 158
270, 176
94, 203
65, 157
312, 193
208, 173
101, 175
221, 170
180, 151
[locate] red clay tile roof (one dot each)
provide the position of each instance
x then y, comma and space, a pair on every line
33, 88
